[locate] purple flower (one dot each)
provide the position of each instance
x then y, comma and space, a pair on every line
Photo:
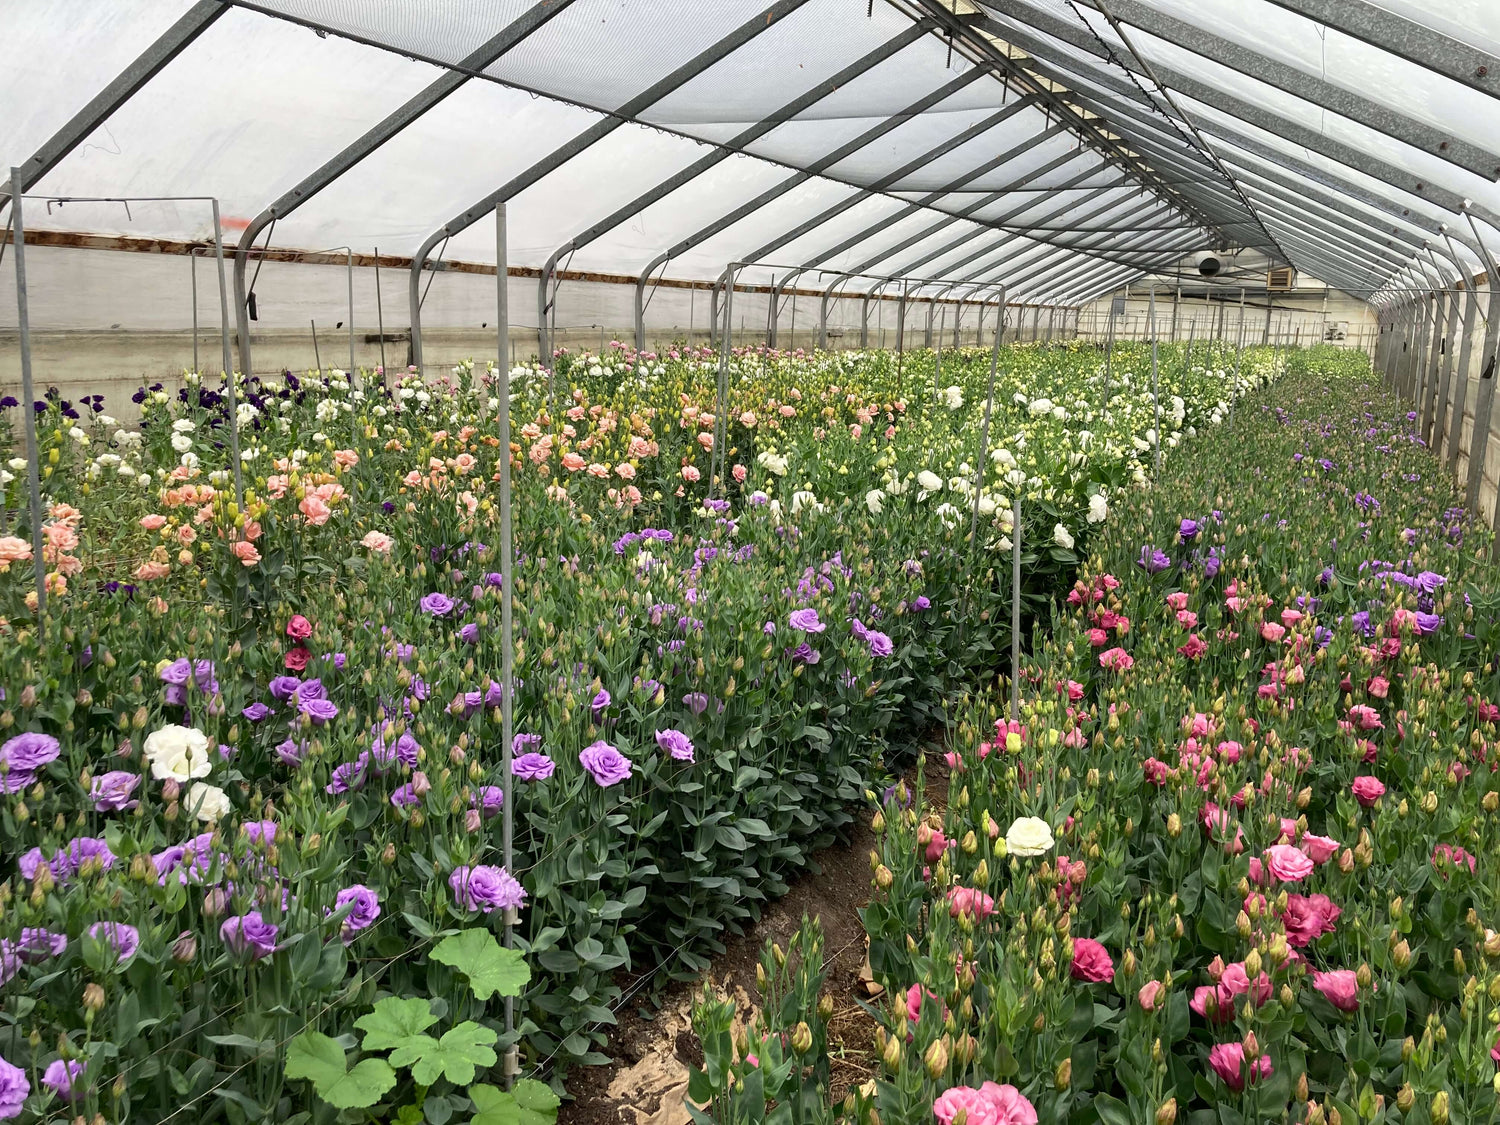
249, 935
469, 634
921, 603
1428, 582
769, 628
259, 831
880, 644
488, 799
675, 743
437, 604
177, 672
312, 689
111, 791
366, 908
1325, 576
494, 578
520, 742
291, 752
284, 687
1188, 530
696, 702
122, 939
320, 711
256, 712
606, 765
82, 851
601, 701
405, 797
1428, 623
485, 888
22, 756
806, 620
806, 654
350, 775
60, 1076
532, 766
32, 862
14, 1088
36, 945
1153, 561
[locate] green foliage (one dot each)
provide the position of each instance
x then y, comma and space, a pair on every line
319, 1059
492, 969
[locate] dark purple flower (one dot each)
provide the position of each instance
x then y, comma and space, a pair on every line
921, 602
437, 604
1188, 530
532, 766
256, 712
249, 935
291, 752
177, 672
123, 940
1153, 561
405, 796
601, 701
1428, 623
365, 909
111, 791
350, 775
806, 654
676, 743
606, 765
485, 888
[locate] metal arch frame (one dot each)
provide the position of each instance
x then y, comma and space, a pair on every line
1041, 278
874, 189
371, 140
721, 152
183, 32
1304, 85
721, 49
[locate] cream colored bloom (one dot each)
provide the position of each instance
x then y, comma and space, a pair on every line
1029, 836
1061, 537
207, 802
178, 753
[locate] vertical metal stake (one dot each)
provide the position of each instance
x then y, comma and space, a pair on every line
230, 397
1015, 607
379, 315
28, 396
1155, 387
193, 258
350, 269
507, 571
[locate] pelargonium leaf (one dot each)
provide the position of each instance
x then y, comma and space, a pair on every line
492, 969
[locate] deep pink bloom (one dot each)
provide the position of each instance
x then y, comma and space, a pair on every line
1309, 917
1367, 790
1146, 997
1287, 863
1319, 849
1228, 1061
1091, 961
1340, 987
977, 904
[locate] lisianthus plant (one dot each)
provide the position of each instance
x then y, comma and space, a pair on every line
251, 753
1230, 862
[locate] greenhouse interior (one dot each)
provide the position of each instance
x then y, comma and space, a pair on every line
820, 562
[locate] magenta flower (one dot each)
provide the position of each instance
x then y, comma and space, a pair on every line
1228, 1061
1340, 988
486, 888
606, 765
1091, 961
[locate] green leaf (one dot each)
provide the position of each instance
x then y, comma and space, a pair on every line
454, 1056
1112, 1111
491, 969
320, 1060
529, 1103
393, 1019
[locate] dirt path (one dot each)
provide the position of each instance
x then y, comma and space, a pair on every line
647, 1083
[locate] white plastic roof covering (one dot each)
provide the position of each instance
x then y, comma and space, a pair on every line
1060, 147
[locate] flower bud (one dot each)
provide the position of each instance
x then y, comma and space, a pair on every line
884, 878
802, 1038
1252, 964
472, 821
1440, 1108
93, 998
1242, 924
825, 1007
1062, 1078
1174, 830
388, 855
185, 948
936, 1059
1408, 1049
1401, 954
1406, 1097
892, 1055
1166, 1113
1315, 1114
1363, 976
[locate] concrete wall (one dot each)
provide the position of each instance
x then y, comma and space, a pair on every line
105, 321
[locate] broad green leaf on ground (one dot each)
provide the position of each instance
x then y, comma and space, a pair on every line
492, 969
529, 1103
394, 1019
320, 1060
455, 1055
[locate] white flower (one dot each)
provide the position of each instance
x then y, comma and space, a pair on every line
773, 462
873, 500
805, 499
1005, 543
1098, 508
1060, 414
125, 439
106, 421
17, 463
6, 476
1061, 537
986, 504
930, 481
78, 435
1040, 406
1003, 456
190, 460
183, 426
207, 802
953, 397
1028, 836
248, 455
949, 515
182, 443
124, 470
176, 752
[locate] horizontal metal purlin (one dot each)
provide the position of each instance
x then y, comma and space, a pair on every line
1320, 205
1317, 250
1172, 239
1299, 83
1359, 278
958, 140
1325, 227
980, 271
1407, 39
1052, 281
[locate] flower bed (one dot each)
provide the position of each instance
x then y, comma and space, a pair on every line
1236, 860
250, 757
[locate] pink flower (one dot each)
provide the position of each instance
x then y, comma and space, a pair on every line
1365, 717
1212, 1003
914, 996
1367, 790
1098, 638
1287, 863
966, 1100
1319, 849
1194, 648
1187, 619
1117, 660
245, 552
572, 461
963, 900
1177, 600
739, 472
1308, 917
377, 541
299, 628
1228, 1061
691, 474
1378, 686
1146, 997
1236, 982
1290, 617
1456, 856
314, 510
1272, 631
154, 522
1340, 987
1091, 961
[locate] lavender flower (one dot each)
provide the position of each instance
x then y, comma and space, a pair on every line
366, 908
60, 1076
284, 687
488, 799
485, 888
437, 605
22, 756
256, 712
1188, 530
1152, 560
806, 620
675, 743
249, 935
601, 701
606, 765
921, 602
123, 940
469, 634
532, 766
111, 791
320, 711
350, 775
14, 1087
880, 644
405, 797
696, 702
